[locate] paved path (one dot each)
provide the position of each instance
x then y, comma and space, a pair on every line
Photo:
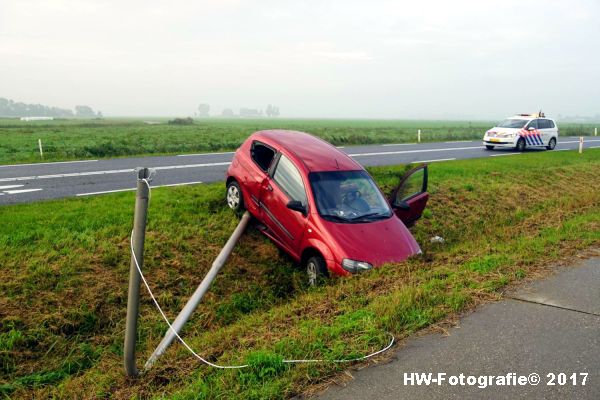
551, 326
32, 182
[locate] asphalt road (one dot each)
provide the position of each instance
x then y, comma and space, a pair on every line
24, 183
549, 327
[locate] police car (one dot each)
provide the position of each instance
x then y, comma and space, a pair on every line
522, 131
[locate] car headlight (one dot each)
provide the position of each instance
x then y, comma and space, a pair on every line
354, 266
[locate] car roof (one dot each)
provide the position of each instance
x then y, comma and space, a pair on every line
315, 153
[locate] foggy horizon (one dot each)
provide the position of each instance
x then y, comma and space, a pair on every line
464, 60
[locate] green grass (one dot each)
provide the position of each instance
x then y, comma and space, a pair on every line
64, 269
89, 139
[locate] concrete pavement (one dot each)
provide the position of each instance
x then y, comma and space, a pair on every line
32, 182
550, 327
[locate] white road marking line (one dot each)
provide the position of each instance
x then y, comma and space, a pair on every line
563, 149
584, 141
460, 141
10, 186
398, 144
340, 147
113, 171
441, 159
21, 191
204, 154
47, 163
382, 153
594, 147
178, 184
132, 189
191, 166
105, 192
508, 154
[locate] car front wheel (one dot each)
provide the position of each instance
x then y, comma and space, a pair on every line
316, 270
521, 145
234, 197
551, 144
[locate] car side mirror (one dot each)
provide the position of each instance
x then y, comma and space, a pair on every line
531, 128
402, 205
297, 205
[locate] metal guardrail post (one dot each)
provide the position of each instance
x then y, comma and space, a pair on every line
133, 301
193, 302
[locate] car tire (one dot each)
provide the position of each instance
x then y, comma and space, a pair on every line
521, 145
488, 147
551, 144
234, 197
316, 270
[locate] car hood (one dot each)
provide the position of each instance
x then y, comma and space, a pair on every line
496, 130
375, 242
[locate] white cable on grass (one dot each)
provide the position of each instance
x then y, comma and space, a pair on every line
137, 265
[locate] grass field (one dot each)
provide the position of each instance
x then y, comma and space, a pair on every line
88, 139
63, 282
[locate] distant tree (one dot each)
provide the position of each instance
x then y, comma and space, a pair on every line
203, 110
274, 111
84, 112
181, 121
9, 108
227, 112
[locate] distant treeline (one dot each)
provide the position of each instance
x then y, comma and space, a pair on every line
10, 108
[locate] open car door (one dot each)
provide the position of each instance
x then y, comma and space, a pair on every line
410, 197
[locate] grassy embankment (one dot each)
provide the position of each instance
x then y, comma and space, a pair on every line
64, 267
87, 139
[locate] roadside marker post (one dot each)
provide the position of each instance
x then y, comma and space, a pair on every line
419, 136
133, 300
595, 131
40, 146
580, 144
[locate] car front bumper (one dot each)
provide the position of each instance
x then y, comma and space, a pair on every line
500, 142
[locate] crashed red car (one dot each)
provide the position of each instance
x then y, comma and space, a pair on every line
322, 207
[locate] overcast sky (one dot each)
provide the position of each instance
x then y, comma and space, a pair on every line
359, 59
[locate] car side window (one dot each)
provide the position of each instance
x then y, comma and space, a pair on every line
262, 155
414, 184
550, 124
533, 124
289, 179
543, 124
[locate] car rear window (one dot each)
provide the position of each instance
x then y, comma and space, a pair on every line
262, 155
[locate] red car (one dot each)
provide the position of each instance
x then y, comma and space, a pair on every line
322, 207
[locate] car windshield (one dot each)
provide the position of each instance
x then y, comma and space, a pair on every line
348, 197
512, 123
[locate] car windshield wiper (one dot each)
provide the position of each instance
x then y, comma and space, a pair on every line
335, 218
369, 216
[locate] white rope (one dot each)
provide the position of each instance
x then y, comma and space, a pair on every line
137, 265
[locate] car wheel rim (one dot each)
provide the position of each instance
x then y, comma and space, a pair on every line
233, 197
311, 270
552, 143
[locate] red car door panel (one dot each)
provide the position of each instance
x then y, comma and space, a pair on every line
285, 224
